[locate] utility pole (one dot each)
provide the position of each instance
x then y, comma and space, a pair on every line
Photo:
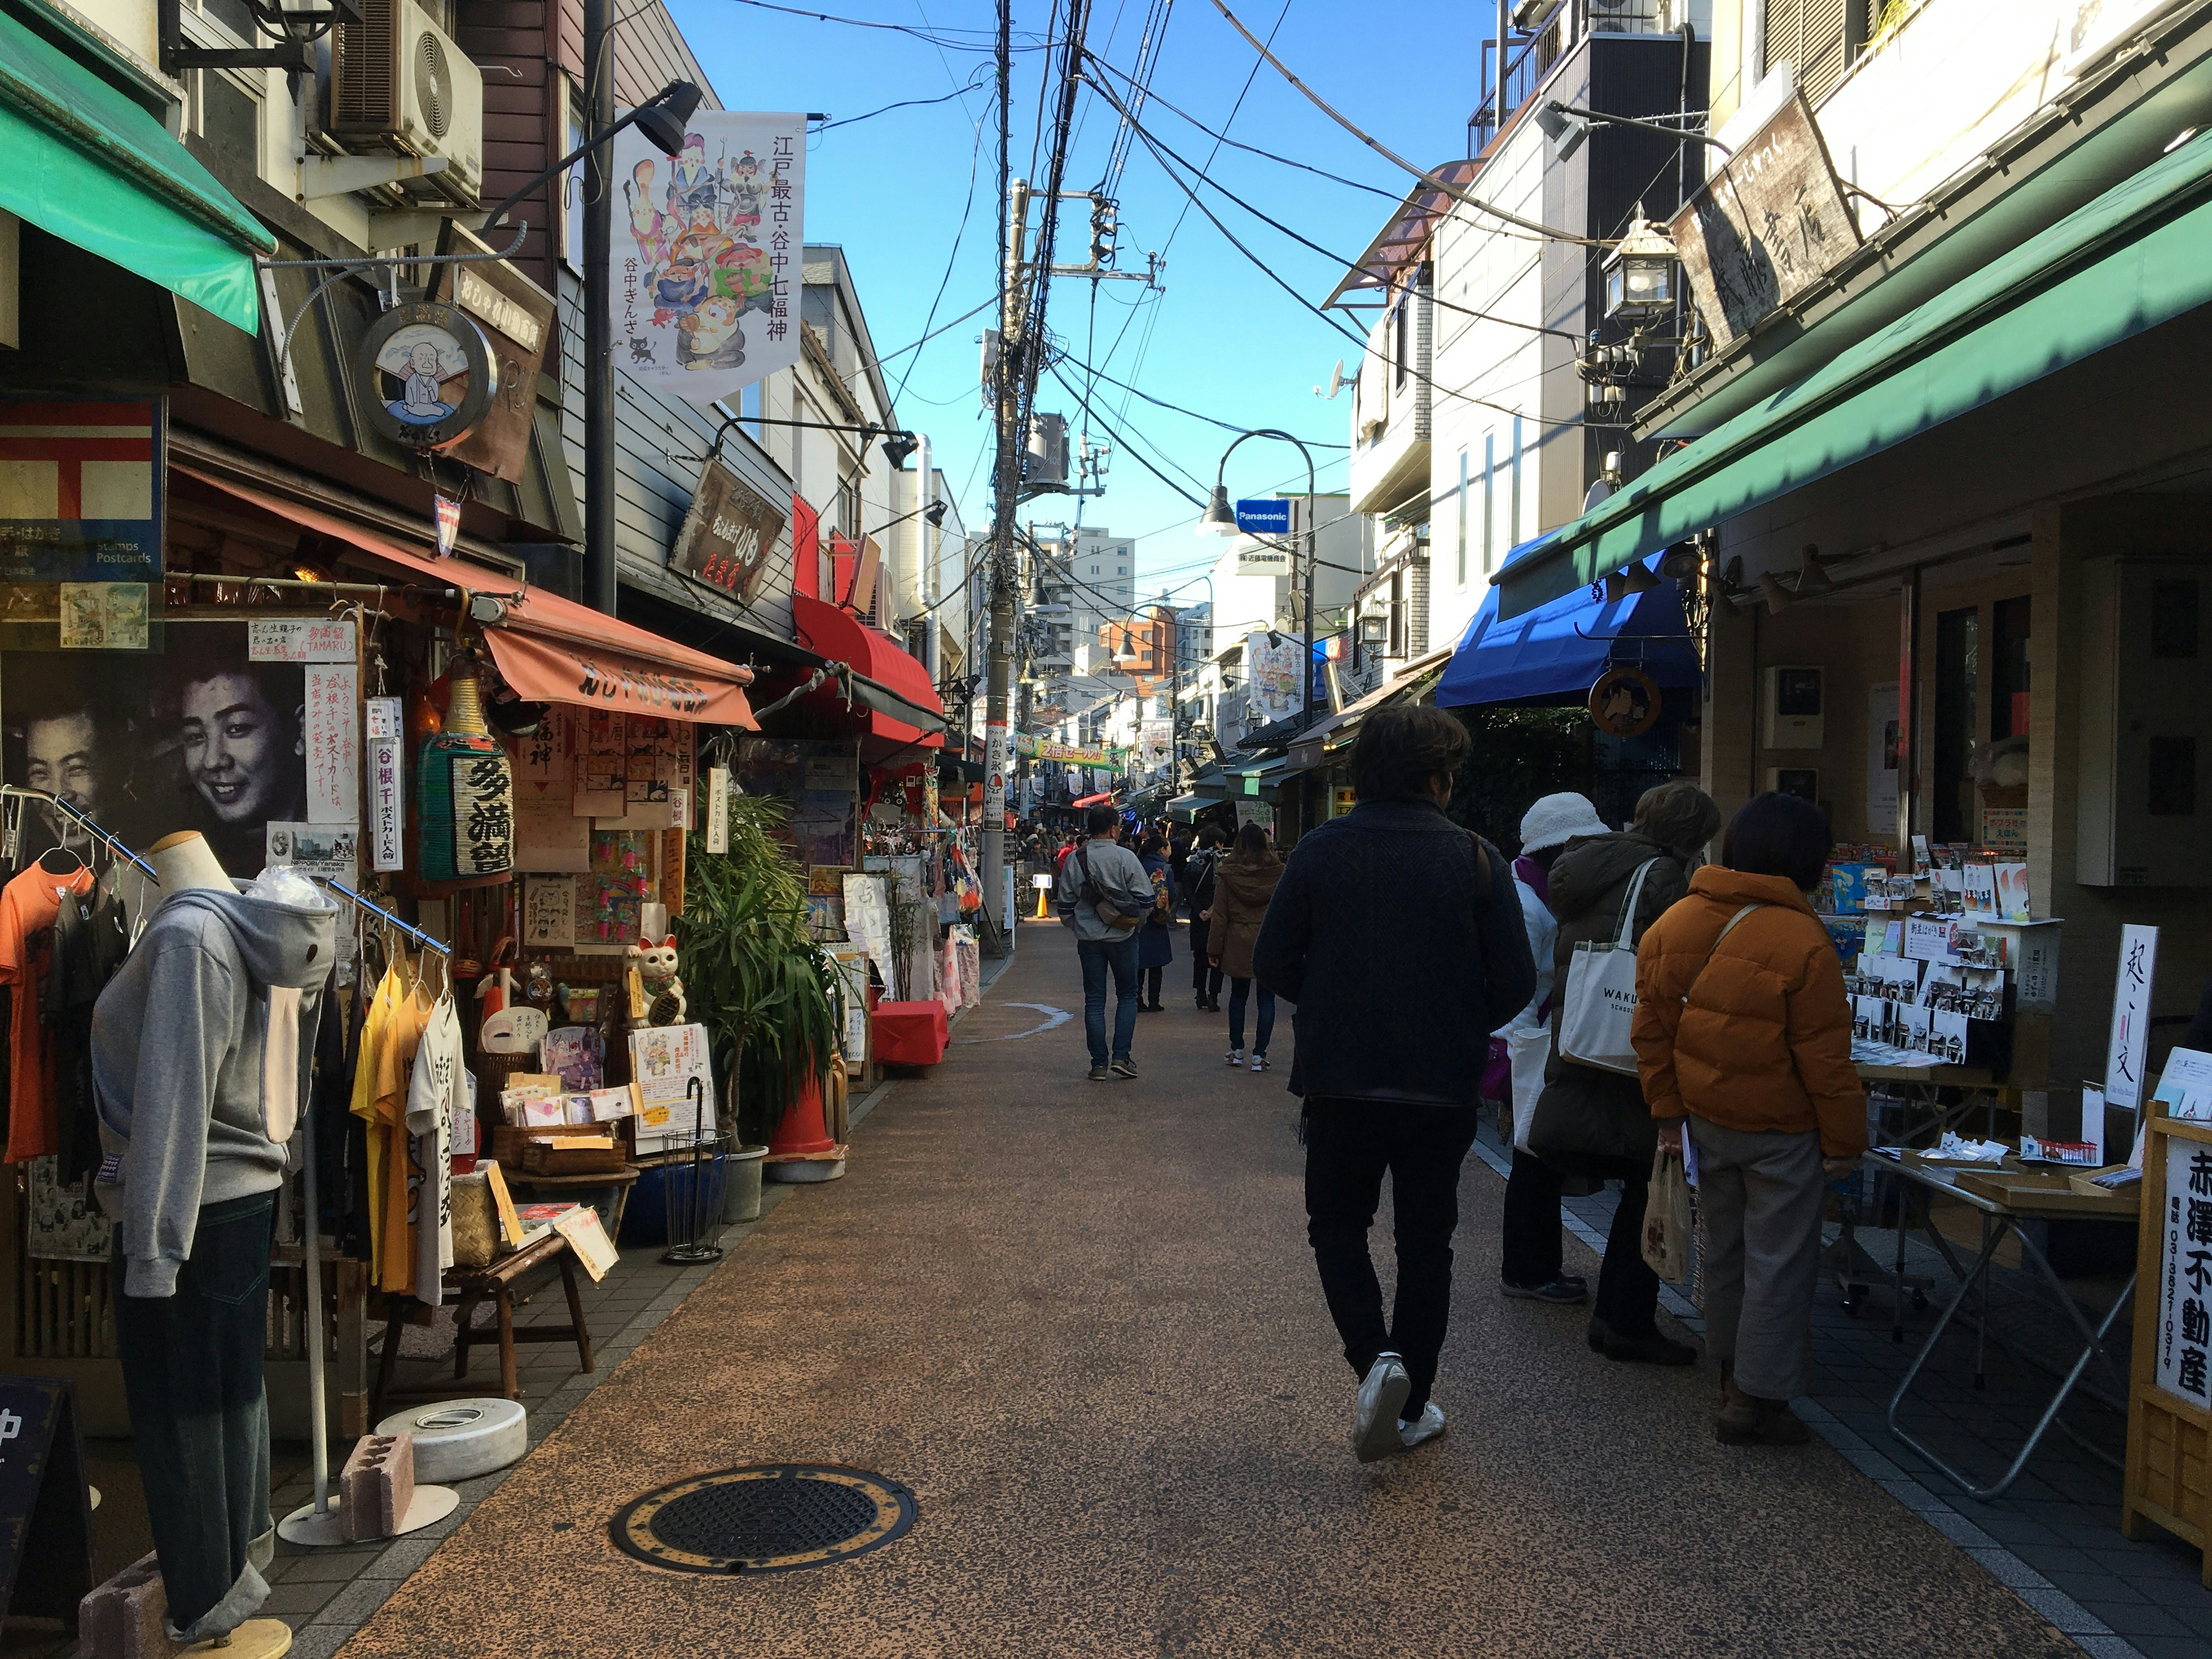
1006, 485
600, 566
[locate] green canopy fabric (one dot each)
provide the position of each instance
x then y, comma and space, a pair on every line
83, 162
2138, 256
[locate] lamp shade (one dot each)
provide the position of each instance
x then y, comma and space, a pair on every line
663, 116
1220, 518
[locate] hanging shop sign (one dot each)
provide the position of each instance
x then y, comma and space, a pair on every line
1624, 702
1770, 223
429, 374
706, 264
1030, 748
728, 532
81, 523
516, 317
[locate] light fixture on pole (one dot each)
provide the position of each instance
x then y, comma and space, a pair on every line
1628, 581
1639, 274
1567, 124
1565, 132
1219, 518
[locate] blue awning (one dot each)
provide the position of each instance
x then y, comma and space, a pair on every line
1557, 652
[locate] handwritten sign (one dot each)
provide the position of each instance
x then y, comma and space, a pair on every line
548, 913
2130, 1048
300, 639
1770, 223
333, 742
718, 809
386, 817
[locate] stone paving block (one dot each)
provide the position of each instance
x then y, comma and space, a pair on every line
376, 1486
121, 1617
354, 1604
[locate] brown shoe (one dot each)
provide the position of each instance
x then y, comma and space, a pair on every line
1747, 1420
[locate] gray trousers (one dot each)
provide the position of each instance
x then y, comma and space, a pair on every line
1759, 1192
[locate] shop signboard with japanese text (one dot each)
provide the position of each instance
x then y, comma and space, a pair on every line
2184, 1273
516, 317
201, 737
729, 532
708, 250
81, 525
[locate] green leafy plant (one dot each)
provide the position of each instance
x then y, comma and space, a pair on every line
771, 1000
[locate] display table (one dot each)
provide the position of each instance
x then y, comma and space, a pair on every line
2000, 1219
495, 1285
909, 1033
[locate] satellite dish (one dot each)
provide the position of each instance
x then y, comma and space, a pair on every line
1336, 380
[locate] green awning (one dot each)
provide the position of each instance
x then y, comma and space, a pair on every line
2138, 256
81, 162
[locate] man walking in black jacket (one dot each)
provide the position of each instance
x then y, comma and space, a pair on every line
1398, 934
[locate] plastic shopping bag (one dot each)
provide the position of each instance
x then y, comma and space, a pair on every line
1668, 1221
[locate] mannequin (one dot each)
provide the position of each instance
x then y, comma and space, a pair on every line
202, 1043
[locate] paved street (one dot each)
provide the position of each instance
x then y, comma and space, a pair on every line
1079, 1321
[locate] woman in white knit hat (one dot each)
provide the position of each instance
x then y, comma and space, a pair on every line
1532, 1265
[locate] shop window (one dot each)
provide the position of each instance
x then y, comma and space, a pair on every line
2173, 777
2009, 668
1957, 649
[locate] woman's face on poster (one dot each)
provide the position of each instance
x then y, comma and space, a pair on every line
239, 750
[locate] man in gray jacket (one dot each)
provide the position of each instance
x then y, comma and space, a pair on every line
1103, 895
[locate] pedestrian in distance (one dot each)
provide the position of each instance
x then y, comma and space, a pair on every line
1592, 1122
1743, 1037
1155, 938
1398, 936
1103, 895
1533, 1266
1198, 892
1243, 884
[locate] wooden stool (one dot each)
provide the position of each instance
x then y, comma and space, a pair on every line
473, 1285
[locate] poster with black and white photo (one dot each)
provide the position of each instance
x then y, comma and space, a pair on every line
201, 737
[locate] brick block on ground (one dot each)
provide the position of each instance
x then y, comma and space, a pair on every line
122, 1618
376, 1486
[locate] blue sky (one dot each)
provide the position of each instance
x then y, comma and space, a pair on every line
1222, 340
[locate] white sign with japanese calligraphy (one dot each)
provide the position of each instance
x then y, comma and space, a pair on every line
707, 252
300, 639
387, 802
2184, 1273
333, 742
2129, 1049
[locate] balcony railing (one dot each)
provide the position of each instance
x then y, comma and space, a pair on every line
1529, 57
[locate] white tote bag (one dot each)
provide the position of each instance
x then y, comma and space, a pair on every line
1600, 1005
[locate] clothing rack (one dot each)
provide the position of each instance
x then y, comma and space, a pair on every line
387, 918
18, 792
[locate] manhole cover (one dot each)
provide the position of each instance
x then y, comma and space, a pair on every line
764, 1518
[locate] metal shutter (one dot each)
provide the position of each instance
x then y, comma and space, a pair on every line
1814, 37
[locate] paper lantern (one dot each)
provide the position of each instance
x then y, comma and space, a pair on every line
466, 790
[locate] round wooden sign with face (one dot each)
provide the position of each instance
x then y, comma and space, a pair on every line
1624, 702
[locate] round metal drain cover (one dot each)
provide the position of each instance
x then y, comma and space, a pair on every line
766, 1517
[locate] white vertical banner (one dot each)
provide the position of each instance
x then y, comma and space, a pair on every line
995, 772
718, 809
2129, 1049
706, 249
333, 741
385, 814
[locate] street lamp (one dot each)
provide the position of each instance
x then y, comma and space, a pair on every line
1639, 274
662, 117
1218, 509
1567, 124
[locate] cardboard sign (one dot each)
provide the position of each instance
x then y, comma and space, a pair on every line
46, 1520
301, 639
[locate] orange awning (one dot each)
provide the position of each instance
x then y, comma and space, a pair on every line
549, 649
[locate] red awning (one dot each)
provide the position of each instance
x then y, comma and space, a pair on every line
1099, 799
892, 690
549, 649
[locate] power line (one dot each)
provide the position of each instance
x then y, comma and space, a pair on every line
1211, 419
1389, 154
975, 160
905, 103
934, 39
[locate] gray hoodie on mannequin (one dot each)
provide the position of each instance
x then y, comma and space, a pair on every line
201, 1048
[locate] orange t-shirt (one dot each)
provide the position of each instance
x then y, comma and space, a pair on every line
28, 905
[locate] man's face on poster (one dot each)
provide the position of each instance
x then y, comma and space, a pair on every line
63, 755
238, 749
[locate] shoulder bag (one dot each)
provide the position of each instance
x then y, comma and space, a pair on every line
1599, 1007
1110, 916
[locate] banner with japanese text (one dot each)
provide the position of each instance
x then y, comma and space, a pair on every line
707, 248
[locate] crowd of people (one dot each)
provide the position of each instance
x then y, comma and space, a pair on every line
1429, 975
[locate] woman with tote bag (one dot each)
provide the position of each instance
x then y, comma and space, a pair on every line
1591, 1120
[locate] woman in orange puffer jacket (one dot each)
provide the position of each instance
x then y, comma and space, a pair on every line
1743, 1032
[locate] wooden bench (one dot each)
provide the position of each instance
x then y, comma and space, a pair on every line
471, 1287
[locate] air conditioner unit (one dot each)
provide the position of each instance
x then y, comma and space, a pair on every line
400, 83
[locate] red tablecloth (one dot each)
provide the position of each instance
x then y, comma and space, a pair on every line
909, 1033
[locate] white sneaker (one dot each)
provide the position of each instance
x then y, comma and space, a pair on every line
1375, 1425
1428, 1426
1259, 1063
1235, 1057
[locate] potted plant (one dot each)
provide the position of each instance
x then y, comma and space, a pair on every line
771, 1000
